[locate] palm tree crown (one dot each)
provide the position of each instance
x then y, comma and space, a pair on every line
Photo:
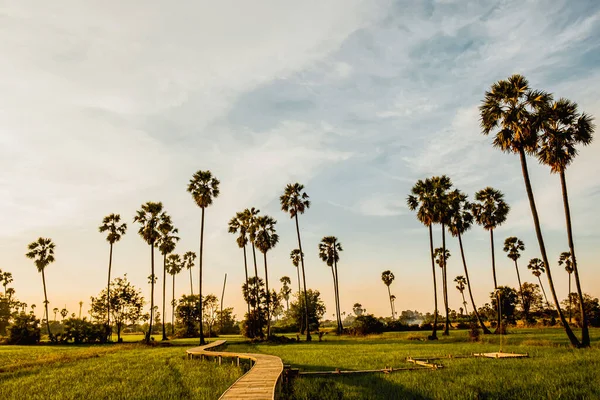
149, 217
174, 264
387, 277
203, 188
566, 259
111, 223
42, 251
265, 237
459, 217
168, 235
239, 225
513, 246
460, 283
491, 210
295, 257
294, 199
329, 250
441, 257
563, 128
536, 266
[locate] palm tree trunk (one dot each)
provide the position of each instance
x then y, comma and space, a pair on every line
538, 231
464, 302
107, 293
570, 300
336, 302
173, 309
164, 296
191, 282
222, 298
499, 308
46, 307
268, 296
149, 334
200, 280
337, 295
246, 271
258, 324
308, 337
433, 335
486, 331
521, 288
544, 292
390, 297
585, 335
299, 296
445, 283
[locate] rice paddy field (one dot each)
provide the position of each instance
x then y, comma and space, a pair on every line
552, 371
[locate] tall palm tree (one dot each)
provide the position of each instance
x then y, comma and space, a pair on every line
440, 187
388, 277
294, 201
421, 199
55, 311
238, 225
441, 259
80, 306
111, 224
266, 239
460, 220
295, 257
174, 266
490, 211
249, 221
563, 128
513, 112
460, 285
42, 252
566, 259
204, 188
149, 218
513, 247
189, 259
329, 252
286, 290
166, 244
536, 266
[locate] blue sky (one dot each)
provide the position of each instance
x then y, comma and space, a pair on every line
109, 105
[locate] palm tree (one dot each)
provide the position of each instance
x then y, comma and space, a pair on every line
189, 259
393, 300
80, 306
490, 211
460, 285
294, 200
266, 239
329, 252
204, 188
514, 113
149, 218
111, 224
564, 127
166, 244
537, 268
42, 252
238, 225
249, 221
174, 266
513, 247
388, 277
422, 200
6, 278
460, 220
566, 259
55, 311
286, 290
295, 256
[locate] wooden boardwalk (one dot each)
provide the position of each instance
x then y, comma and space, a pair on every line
261, 382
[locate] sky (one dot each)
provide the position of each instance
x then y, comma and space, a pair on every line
107, 105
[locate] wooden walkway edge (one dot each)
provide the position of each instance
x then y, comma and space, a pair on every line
261, 382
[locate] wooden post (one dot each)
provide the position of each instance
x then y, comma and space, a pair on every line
237, 361
220, 359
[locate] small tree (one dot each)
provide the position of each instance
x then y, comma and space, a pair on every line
188, 315
210, 308
316, 309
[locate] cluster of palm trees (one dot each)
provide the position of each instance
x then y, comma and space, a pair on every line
524, 122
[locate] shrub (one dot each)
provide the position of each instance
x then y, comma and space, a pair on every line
84, 331
25, 329
366, 324
474, 332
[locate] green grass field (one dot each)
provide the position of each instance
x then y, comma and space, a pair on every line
132, 370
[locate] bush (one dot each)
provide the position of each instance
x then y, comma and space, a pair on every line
24, 330
396, 326
83, 331
366, 324
474, 332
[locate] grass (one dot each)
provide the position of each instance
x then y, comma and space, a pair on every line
553, 370
135, 371
131, 371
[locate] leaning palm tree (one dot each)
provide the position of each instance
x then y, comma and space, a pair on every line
513, 113
421, 199
329, 252
149, 218
238, 225
460, 220
513, 247
563, 128
266, 239
388, 277
111, 224
460, 286
174, 266
490, 211
204, 188
294, 200
566, 259
536, 266
189, 259
166, 244
42, 252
